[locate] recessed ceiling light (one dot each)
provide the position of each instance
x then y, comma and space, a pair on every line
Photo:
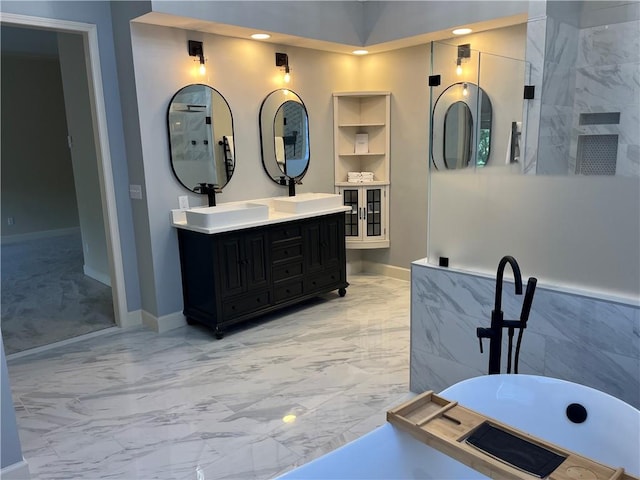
461, 31
360, 52
260, 36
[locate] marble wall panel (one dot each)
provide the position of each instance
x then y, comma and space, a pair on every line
609, 44
580, 338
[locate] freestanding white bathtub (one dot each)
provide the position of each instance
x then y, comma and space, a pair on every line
537, 405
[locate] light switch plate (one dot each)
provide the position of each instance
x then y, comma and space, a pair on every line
135, 192
183, 202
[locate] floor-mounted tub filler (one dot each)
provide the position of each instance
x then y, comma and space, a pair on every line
587, 422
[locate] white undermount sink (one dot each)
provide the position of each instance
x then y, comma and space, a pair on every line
307, 202
225, 215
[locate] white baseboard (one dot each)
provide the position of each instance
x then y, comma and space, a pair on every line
132, 319
24, 237
96, 275
17, 471
386, 270
164, 323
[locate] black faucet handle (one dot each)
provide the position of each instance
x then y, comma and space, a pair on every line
528, 299
483, 333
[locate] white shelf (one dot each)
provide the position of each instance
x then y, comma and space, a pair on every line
368, 154
368, 124
354, 113
344, 183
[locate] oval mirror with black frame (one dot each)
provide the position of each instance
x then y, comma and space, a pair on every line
458, 139
284, 135
201, 142
458, 126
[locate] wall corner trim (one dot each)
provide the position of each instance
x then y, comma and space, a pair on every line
131, 319
399, 273
17, 471
164, 323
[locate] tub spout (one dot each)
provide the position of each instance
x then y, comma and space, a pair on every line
497, 317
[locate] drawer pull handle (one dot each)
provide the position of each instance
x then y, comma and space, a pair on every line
288, 291
286, 252
286, 271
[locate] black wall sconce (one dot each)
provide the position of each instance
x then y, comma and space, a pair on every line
282, 60
196, 50
464, 52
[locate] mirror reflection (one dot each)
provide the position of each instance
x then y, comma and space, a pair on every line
461, 127
284, 135
201, 142
458, 124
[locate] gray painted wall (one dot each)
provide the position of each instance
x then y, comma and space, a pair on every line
394, 20
10, 450
83, 155
99, 13
334, 21
36, 165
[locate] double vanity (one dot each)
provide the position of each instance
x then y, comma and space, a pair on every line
243, 259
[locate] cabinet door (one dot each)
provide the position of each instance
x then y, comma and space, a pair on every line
312, 235
366, 224
332, 241
257, 275
243, 263
374, 213
231, 263
324, 243
351, 198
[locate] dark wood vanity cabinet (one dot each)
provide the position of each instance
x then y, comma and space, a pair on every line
235, 276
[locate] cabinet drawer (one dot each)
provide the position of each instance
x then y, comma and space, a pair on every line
287, 270
287, 290
286, 252
321, 280
245, 304
289, 232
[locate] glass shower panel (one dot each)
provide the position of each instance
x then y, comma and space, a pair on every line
452, 96
488, 88
503, 79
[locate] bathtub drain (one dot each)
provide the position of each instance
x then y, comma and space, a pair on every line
576, 413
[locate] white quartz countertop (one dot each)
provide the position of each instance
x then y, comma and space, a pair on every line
178, 217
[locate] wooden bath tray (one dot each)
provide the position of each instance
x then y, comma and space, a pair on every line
446, 426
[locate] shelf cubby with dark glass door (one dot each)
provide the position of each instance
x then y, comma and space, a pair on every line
359, 115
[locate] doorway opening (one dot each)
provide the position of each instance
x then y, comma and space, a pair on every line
61, 263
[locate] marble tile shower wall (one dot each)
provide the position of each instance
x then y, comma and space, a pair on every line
557, 97
581, 339
608, 80
589, 70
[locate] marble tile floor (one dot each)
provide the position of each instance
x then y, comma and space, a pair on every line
45, 297
133, 404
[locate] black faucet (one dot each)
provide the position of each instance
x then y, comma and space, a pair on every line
292, 186
494, 334
210, 190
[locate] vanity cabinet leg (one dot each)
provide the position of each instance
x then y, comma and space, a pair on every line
190, 321
342, 292
219, 334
